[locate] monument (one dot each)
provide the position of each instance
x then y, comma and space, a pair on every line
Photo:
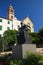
24, 44
23, 35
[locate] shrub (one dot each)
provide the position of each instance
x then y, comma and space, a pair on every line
31, 59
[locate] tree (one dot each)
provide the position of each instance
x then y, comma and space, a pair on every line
40, 33
35, 37
10, 36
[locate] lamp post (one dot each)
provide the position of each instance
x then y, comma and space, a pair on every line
3, 44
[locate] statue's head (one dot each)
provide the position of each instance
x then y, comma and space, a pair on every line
23, 27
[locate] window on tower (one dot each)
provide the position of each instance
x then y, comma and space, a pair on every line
11, 17
11, 10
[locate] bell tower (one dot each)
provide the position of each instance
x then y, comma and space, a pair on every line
10, 13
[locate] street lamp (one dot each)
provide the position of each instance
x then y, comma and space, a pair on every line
3, 43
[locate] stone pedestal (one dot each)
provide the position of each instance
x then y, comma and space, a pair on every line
19, 51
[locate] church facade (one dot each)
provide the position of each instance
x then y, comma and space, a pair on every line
11, 22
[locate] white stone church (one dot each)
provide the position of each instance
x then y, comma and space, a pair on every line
11, 22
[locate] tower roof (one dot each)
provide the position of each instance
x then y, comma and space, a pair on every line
10, 7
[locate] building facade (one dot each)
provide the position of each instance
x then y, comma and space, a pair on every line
29, 24
11, 22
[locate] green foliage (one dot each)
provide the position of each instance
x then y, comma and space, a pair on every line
10, 35
12, 63
31, 59
35, 37
41, 32
41, 57
15, 62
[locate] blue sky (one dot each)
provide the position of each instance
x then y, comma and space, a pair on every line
24, 8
